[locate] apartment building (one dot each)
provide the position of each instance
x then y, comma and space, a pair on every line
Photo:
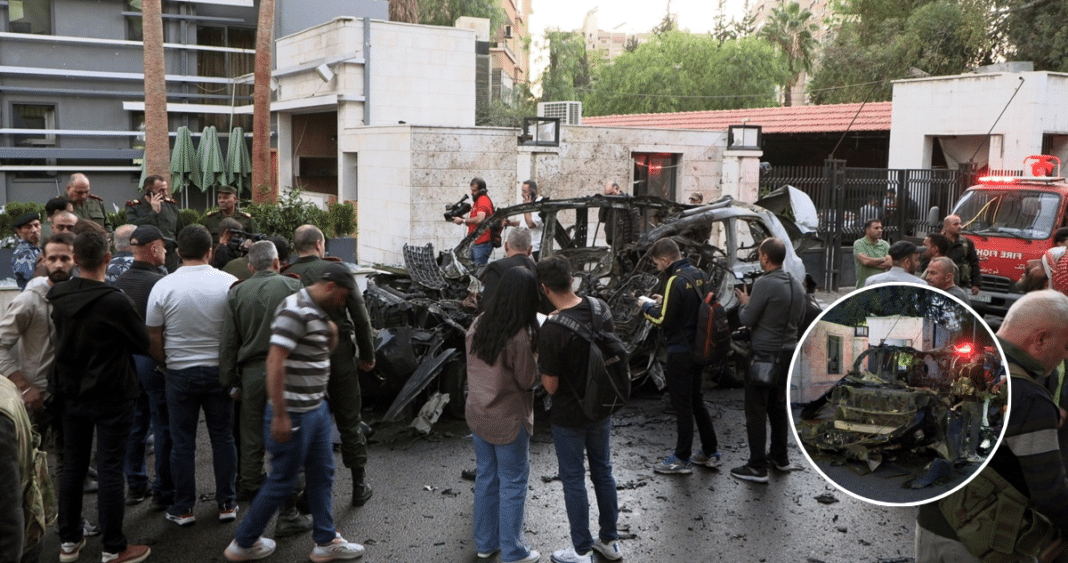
72, 84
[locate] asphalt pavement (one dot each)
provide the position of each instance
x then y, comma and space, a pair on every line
422, 507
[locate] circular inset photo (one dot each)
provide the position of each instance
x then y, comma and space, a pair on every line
899, 394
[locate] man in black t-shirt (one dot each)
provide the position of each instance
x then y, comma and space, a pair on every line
562, 364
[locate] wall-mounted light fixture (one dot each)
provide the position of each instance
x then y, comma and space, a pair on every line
324, 72
744, 137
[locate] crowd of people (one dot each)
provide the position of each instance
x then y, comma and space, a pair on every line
121, 339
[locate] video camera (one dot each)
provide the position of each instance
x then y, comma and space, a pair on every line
458, 209
238, 238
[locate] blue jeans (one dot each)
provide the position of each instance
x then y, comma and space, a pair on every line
188, 390
154, 397
480, 253
310, 447
500, 496
592, 440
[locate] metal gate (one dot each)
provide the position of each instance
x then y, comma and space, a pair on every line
846, 198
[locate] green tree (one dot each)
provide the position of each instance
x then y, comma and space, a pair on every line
501, 114
445, 12
404, 11
876, 41
568, 71
1036, 31
683, 72
791, 30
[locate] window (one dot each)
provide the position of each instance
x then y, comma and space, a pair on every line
860, 331
219, 64
30, 16
834, 354
654, 174
26, 116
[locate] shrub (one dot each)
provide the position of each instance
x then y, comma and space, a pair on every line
342, 219
290, 212
188, 216
117, 218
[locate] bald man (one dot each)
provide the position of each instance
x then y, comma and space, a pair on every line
86, 205
1034, 336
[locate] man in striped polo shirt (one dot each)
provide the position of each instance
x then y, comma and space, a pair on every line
298, 419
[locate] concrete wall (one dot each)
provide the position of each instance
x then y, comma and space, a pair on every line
960, 110
910, 330
434, 166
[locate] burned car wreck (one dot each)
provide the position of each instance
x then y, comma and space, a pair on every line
897, 400
422, 311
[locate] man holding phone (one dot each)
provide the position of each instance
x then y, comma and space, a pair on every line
157, 208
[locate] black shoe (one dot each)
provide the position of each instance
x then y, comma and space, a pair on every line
468, 474
91, 485
361, 493
159, 504
92, 473
136, 496
782, 466
291, 523
748, 473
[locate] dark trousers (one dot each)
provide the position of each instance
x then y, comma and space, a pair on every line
346, 402
111, 421
154, 395
763, 405
684, 387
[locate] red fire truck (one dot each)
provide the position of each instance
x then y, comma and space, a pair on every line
1012, 219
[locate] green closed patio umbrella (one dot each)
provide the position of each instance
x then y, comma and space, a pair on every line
185, 169
212, 165
238, 163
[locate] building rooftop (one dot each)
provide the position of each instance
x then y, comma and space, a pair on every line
873, 116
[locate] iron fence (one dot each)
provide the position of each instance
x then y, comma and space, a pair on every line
846, 198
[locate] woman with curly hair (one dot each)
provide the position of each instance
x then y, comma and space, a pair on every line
501, 371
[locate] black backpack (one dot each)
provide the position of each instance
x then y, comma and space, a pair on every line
712, 341
608, 369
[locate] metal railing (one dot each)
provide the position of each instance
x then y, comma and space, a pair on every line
846, 198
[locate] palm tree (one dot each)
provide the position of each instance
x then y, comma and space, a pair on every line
406, 11
790, 30
263, 190
157, 139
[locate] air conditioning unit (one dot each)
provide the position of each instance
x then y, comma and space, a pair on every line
569, 113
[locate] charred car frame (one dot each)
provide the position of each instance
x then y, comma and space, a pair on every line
423, 310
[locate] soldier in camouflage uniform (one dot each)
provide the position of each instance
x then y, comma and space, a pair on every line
24, 260
227, 200
344, 385
157, 208
962, 252
86, 205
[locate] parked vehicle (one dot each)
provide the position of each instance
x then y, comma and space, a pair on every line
1012, 219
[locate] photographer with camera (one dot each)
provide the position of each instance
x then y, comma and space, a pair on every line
481, 208
232, 243
772, 311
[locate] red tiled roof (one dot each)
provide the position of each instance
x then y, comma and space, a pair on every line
874, 116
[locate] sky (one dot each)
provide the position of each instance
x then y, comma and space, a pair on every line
630, 16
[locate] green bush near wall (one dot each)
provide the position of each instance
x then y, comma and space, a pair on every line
290, 212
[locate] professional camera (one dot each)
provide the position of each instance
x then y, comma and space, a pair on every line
238, 238
458, 209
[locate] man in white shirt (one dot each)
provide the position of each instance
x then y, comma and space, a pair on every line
185, 320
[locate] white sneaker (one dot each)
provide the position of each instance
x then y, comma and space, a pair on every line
609, 550
569, 556
532, 557
340, 548
262, 548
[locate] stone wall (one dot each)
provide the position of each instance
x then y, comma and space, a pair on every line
422, 169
